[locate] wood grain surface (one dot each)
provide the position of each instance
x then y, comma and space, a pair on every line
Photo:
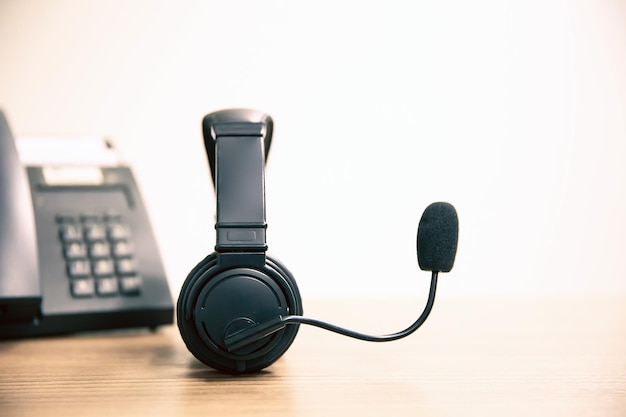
473, 357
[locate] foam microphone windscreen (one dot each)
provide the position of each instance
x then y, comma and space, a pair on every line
437, 238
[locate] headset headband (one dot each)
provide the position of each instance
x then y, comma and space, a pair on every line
237, 146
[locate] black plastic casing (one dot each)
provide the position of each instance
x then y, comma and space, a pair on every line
62, 313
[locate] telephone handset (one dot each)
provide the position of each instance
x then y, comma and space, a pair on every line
77, 252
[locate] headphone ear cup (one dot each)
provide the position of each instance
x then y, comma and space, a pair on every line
215, 302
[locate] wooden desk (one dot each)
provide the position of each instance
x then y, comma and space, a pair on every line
472, 358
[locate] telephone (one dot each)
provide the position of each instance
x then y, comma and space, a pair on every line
77, 252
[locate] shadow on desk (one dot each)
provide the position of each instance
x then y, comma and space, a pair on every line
473, 357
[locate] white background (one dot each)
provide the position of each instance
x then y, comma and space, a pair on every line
514, 111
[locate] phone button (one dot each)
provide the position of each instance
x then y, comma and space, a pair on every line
122, 249
71, 232
118, 231
82, 287
100, 250
79, 268
75, 250
131, 285
103, 267
125, 266
106, 286
95, 231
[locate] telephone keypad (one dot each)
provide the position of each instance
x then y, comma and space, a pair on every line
99, 255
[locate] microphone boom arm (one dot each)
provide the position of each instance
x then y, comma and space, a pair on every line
251, 334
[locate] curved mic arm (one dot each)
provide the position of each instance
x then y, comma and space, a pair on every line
252, 334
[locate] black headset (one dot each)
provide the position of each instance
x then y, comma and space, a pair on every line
239, 309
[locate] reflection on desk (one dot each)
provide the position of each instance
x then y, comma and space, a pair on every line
472, 357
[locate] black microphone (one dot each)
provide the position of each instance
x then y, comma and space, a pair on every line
437, 238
